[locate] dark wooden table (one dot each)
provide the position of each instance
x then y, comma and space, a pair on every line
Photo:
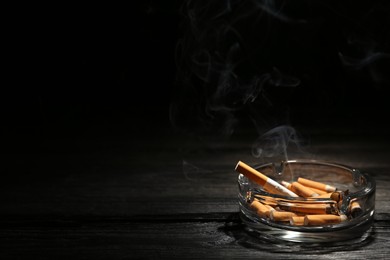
143, 193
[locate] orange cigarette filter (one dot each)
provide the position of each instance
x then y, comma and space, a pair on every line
318, 220
316, 208
303, 191
315, 184
261, 209
270, 208
267, 183
269, 202
281, 215
318, 191
297, 220
325, 196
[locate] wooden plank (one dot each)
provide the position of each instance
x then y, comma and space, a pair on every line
216, 236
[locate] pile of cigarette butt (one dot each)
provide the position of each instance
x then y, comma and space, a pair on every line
306, 212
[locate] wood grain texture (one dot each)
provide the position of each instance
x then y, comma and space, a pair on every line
180, 236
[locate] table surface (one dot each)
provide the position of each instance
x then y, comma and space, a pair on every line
161, 194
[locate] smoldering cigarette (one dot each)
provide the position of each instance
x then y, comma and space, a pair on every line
315, 184
323, 219
267, 183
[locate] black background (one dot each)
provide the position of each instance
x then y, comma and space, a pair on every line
75, 68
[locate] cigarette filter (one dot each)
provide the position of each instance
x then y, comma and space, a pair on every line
261, 209
315, 184
315, 208
318, 191
267, 183
324, 196
315, 220
303, 191
297, 220
281, 215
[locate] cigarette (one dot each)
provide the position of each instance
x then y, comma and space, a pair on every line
303, 191
325, 196
336, 196
355, 209
318, 191
300, 189
288, 186
310, 208
315, 184
281, 215
315, 220
297, 220
261, 209
267, 183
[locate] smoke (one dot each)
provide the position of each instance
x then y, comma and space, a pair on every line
253, 62
224, 63
373, 62
278, 144
367, 43
193, 173
361, 63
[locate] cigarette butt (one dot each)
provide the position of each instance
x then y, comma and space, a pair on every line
355, 209
315, 220
303, 191
336, 196
281, 215
269, 202
297, 220
318, 191
327, 195
261, 209
267, 183
315, 184
270, 208
315, 208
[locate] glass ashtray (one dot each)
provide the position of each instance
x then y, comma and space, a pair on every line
352, 204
